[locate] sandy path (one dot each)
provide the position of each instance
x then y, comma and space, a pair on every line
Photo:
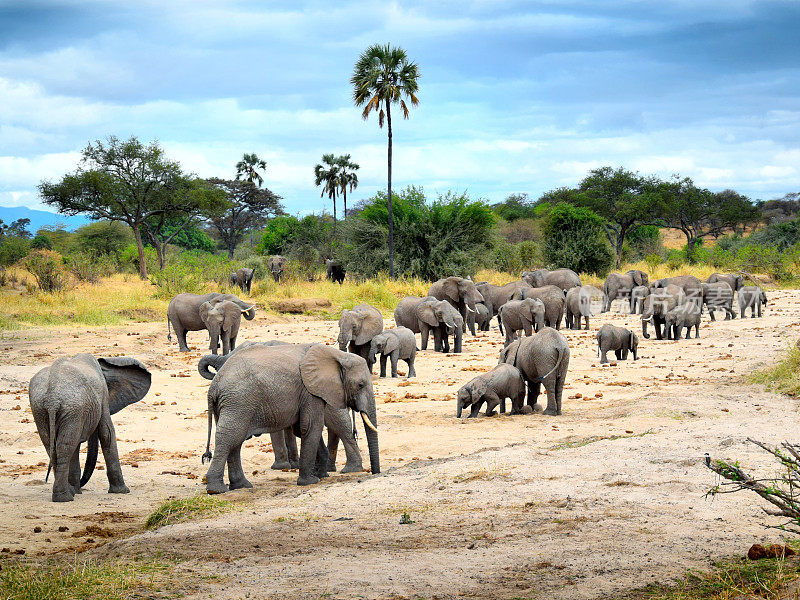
504, 507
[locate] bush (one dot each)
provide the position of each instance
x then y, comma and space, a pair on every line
675, 259
642, 241
104, 237
521, 230
41, 242
652, 261
278, 232
191, 271
575, 239
47, 267
754, 258
91, 267
129, 258
13, 249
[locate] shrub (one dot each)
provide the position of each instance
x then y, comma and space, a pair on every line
652, 261
91, 267
191, 271
104, 237
41, 242
13, 249
129, 258
521, 230
642, 241
575, 239
530, 253
675, 259
506, 258
47, 267
762, 259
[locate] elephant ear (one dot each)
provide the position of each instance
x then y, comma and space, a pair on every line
371, 323
321, 371
392, 343
204, 309
426, 314
450, 288
127, 379
479, 387
229, 313
637, 277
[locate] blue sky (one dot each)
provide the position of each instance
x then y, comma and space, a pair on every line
514, 96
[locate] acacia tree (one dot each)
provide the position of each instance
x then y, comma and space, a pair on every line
348, 178
328, 176
383, 76
117, 180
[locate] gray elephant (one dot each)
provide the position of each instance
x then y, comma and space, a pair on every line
426, 315
267, 389
690, 285
718, 296
554, 302
183, 313
618, 340
222, 319
72, 401
734, 280
395, 344
494, 296
479, 319
752, 297
578, 305
243, 278
638, 295
620, 286
446, 314
522, 315
459, 292
357, 327
565, 279
277, 266
504, 381
335, 271
657, 305
686, 315
542, 359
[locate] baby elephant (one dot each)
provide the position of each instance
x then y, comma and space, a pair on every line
752, 297
398, 344
618, 339
685, 315
522, 315
222, 321
504, 381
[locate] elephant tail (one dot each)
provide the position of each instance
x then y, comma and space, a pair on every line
51, 417
169, 333
561, 354
211, 360
207, 454
91, 458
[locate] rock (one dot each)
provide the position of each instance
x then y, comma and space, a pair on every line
758, 552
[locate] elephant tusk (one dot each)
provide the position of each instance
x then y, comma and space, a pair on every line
245, 310
367, 422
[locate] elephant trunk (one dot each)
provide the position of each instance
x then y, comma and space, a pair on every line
644, 328
91, 458
459, 409
211, 360
249, 312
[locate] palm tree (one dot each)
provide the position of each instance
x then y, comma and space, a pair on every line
348, 178
248, 167
383, 76
327, 175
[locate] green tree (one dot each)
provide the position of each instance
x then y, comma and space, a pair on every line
515, 206
18, 228
383, 76
348, 178
41, 242
103, 237
328, 176
249, 169
117, 180
278, 232
574, 240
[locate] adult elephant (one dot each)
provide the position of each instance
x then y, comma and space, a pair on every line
429, 315
718, 296
691, 286
267, 389
277, 266
735, 280
494, 296
335, 271
620, 286
357, 327
562, 278
752, 297
243, 278
526, 316
657, 305
222, 319
553, 299
542, 359
183, 313
72, 401
459, 292
578, 304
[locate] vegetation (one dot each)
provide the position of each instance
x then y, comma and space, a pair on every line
574, 240
179, 510
783, 377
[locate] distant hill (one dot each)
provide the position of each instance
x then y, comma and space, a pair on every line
40, 218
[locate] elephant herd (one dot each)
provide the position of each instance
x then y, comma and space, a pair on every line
292, 390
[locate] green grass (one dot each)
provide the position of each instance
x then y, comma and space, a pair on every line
179, 510
784, 376
78, 580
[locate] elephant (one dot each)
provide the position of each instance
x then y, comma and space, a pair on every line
480, 318
620, 286
446, 314
688, 283
554, 302
504, 381
397, 344
752, 297
222, 320
617, 339
183, 313
578, 305
542, 359
277, 266
459, 292
335, 271
684, 315
494, 296
563, 278
267, 389
243, 278
72, 401
426, 315
357, 327
735, 280
718, 296
638, 295
657, 305
522, 315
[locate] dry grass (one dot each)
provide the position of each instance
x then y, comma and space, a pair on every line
179, 510
784, 376
487, 473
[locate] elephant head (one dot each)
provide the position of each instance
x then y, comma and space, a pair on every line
219, 318
535, 308
383, 343
342, 380
471, 394
435, 312
638, 277
535, 278
458, 290
248, 310
359, 326
234, 279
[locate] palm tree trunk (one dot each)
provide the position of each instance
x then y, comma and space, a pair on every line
344, 216
334, 213
389, 197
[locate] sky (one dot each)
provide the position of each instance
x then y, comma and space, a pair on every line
515, 97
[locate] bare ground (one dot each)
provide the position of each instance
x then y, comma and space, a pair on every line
604, 499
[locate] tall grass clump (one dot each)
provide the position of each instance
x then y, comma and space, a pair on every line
784, 376
179, 510
47, 267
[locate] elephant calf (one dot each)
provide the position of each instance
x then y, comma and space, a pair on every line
686, 315
718, 296
243, 278
222, 321
752, 297
479, 318
638, 296
357, 327
397, 344
504, 381
617, 339
522, 315
578, 306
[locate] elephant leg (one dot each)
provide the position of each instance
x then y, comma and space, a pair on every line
552, 400
437, 339
333, 448
321, 461
533, 393
457, 340
560, 390
587, 323
603, 355
509, 336
235, 470
423, 333
231, 433
213, 344
412, 372
394, 357
279, 448
759, 309
383, 365
711, 313
526, 327
502, 405
311, 422
180, 333
226, 344
65, 449
339, 421
75, 471
108, 442
499, 324
492, 401
657, 324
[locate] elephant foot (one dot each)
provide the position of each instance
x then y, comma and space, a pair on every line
216, 487
118, 489
63, 496
353, 468
490, 413
186, 349
331, 467
241, 484
76, 489
284, 465
307, 480
551, 412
